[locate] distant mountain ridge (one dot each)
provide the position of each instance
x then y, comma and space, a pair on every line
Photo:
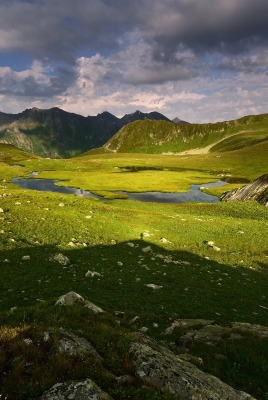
56, 133
167, 137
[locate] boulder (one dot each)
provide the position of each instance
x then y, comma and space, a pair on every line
163, 370
73, 345
78, 390
256, 190
71, 298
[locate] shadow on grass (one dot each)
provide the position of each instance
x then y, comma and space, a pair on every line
191, 286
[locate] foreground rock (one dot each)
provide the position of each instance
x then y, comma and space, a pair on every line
81, 390
256, 190
71, 298
75, 346
159, 368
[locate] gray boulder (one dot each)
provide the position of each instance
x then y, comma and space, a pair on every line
73, 345
71, 298
79, 390
159, 368
256, 190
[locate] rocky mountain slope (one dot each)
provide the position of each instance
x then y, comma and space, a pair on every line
56, 133
153, 136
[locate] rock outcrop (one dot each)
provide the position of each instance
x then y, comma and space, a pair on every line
256, 190
159, 368
80, 390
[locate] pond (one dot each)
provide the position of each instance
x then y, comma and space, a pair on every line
193, 195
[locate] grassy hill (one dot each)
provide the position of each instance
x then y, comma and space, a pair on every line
156, 137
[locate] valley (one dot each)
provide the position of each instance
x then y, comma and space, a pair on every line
145, 264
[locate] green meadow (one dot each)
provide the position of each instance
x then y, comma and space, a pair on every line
130, 244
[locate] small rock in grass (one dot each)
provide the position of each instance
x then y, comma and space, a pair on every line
133, 320
26, 258
60, 258
144, 329
88, 216
119, 263
91, 274
93, 307
131, 244
46, 337
153, 286
146, 249
1, 210
61, 205
164, 240
6, 260
28, 341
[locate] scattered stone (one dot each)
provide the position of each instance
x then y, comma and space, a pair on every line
145, 234
61, 205
28, 341
119, 263
144, 329
26, 258
70, 299
91, 274
71, 244
1, 210
133, 320
186, 323
146, 249
93, 307
46, 337
88, 216
160, 368
60, 258
78, 390
6, 260
119, 314
131, 244
153, 286
163, 240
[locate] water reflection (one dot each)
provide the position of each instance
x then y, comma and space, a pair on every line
194, 194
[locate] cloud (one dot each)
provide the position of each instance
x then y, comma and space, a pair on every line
182, 57
37, 81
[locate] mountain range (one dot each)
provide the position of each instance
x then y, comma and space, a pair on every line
166, 137
56, 133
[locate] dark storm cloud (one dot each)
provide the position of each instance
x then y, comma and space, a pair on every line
59, 31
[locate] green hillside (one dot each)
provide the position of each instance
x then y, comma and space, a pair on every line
156, 137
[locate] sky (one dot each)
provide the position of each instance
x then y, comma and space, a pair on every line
198, 60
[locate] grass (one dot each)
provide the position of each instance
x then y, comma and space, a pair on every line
197, 281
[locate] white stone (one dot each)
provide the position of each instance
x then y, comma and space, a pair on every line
153, 286
26, 258
146, 249
91, 274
